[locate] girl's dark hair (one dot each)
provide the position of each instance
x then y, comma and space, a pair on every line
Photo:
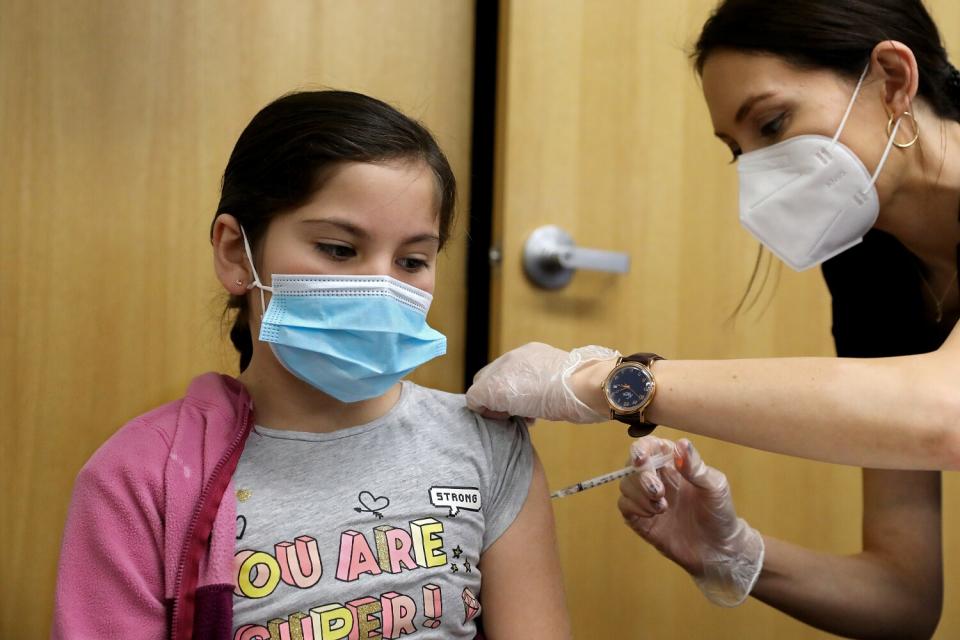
835, 34
839, 35
283, 155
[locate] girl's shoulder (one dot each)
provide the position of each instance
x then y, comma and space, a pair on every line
451, 409
453, 404
443, 420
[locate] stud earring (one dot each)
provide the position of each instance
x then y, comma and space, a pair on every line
240, 282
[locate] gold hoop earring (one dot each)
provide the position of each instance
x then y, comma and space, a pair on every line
916, 130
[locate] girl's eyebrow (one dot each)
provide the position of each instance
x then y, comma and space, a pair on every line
423, 237
345, 225
358, 232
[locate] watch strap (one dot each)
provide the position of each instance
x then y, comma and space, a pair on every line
640, 429
646, 359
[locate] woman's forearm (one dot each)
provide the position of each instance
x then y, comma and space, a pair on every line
884, 413
859, 596
890, 412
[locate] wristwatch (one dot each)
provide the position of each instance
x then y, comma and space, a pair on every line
629, 389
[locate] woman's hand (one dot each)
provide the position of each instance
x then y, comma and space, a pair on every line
538, 381
687, 513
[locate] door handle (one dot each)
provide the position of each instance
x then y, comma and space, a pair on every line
550, 258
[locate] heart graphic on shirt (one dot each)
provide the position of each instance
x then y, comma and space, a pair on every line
372, 503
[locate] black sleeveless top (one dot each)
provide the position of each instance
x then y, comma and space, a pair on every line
878, 301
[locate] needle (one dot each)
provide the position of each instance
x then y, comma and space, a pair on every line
656, 461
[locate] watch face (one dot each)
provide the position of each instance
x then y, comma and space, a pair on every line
629, 388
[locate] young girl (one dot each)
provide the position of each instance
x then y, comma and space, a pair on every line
316, 495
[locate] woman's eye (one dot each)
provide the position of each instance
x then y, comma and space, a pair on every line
336, 251
773, 127
735, 150
412, 264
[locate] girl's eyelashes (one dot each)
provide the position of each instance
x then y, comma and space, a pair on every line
338, 252
343, 252
412, 264
736, 151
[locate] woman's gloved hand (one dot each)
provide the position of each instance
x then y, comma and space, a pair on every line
534, 381
686, 512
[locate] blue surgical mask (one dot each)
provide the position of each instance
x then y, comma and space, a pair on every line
351, 337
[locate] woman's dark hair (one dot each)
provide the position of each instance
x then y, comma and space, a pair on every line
835, 34
284, 154
839, 35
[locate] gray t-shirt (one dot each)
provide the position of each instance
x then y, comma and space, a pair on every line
378, 528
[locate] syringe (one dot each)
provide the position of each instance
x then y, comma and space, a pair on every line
656, 461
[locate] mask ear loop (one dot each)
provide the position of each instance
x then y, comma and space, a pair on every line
886, 152
890, 140
256, 278
846, 114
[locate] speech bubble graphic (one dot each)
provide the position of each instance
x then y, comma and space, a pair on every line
455, 498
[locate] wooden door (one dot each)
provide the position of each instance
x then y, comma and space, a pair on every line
603, 131
116, 121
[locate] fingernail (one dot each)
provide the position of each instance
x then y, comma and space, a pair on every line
648, 479
654, 485
661, 504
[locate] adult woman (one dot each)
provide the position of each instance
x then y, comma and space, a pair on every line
846, 113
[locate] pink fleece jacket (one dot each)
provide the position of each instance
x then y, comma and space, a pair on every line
149, 541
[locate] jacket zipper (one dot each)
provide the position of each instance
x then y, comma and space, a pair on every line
193, 546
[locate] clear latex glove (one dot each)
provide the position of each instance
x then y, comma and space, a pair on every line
533, 381
686, 511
